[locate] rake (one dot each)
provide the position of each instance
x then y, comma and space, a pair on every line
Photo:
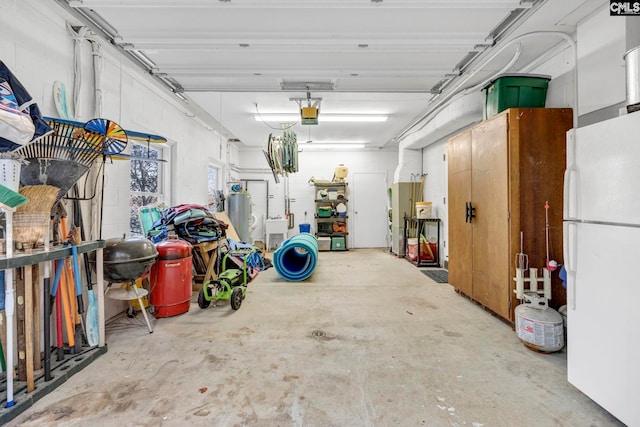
61, 158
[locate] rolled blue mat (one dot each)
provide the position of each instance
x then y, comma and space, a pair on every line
297, 257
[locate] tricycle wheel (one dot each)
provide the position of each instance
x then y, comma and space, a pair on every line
202, 302
236, 298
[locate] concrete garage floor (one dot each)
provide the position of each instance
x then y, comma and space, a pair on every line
367, 341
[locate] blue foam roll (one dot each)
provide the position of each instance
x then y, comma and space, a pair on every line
296, 259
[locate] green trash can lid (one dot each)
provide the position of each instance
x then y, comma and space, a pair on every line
499, 76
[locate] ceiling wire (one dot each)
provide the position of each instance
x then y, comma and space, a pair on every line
273, 127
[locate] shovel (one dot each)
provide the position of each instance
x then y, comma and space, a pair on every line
91, 321
62, 294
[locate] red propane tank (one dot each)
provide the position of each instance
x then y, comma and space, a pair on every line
171, 278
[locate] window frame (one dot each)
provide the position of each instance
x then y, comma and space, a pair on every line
160, 194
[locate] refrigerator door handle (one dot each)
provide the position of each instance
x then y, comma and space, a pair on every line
570, 254
570, 194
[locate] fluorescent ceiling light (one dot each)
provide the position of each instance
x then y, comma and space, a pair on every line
352, 118
316, 146
334, 142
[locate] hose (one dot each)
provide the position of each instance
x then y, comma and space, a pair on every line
296, 259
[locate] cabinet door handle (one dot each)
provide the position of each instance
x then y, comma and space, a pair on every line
466, 211
472, 212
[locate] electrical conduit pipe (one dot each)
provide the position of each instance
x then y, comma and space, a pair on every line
297, 257
427, 116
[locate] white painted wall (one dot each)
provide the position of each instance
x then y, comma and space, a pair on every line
38, 49
435, 189
601, 75
318, 164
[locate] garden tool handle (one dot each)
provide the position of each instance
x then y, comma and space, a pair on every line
76, 277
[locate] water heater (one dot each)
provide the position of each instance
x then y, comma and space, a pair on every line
240, 214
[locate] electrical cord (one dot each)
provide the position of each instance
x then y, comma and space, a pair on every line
272, 127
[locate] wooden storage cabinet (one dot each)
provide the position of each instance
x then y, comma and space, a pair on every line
501, 173
329, 222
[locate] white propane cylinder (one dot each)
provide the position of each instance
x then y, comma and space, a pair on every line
540, 330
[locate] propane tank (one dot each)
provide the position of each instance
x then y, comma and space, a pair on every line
539, 329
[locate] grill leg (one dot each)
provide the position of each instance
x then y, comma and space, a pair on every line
144, 310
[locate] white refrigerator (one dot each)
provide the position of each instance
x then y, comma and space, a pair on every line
602, 259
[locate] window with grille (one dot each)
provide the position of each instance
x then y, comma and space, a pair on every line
146, 181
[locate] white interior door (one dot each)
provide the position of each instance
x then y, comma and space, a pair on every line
368, 199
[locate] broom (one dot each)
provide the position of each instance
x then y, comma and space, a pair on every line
31, 219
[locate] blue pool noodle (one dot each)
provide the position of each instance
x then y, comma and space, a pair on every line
297, 257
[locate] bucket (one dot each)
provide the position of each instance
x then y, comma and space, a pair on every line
632, 71
423, 210
305, 228
10, 173
427, 250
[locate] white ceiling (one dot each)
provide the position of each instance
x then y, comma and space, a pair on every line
230, 57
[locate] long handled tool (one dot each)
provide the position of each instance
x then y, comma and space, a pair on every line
91, 321
522, 259
28, 326
59, 333
551, 264
47, 317
77, 308
10, 311
61, 292
76, 279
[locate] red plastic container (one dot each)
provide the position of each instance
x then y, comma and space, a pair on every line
171, 278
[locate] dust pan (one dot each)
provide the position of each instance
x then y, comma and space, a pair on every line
9, 199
